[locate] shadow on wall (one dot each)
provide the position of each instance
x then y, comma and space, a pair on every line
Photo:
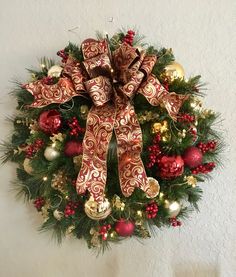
195, 270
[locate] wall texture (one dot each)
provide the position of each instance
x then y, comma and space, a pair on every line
202, 34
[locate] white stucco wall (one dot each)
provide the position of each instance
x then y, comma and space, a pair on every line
202, 34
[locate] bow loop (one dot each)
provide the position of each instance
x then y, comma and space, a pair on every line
74, 70
99, 89
148, 64
92, 48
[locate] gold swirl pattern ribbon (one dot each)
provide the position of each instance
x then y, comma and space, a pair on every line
112, 80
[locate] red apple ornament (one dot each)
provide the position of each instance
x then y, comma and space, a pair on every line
192, 157
73, 148
124, 228
50, 121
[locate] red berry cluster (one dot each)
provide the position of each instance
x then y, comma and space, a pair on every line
129, 37
33, 148
186, 118
151, 210
154, 151
48, 80
203, 168
175, 223
205, 147
63, 55
39, 202
75, 127
70, 208
103, 230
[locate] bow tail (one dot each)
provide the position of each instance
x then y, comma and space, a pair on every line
156, 94
93, 172
129, 147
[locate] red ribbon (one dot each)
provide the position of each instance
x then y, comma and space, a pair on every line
118, 78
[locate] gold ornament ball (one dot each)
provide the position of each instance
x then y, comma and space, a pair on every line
154, 187
27, 166
173, 207
55, 71
97, 211
51, 153
174, 71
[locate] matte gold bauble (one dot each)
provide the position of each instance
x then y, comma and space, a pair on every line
173, 207
97, 211
51, 153
27, 166
174, 71
154, 187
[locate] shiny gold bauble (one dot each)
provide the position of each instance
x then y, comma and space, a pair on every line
97, 211
55, 71
51, 153
27, 166
154, 187
174, 71
173, 208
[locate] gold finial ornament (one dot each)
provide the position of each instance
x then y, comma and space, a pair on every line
97, 211
154, 187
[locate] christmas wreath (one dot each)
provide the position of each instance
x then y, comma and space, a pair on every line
113, 141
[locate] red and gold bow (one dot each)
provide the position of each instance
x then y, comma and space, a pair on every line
111, 80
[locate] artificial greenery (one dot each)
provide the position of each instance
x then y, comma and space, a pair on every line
38, 183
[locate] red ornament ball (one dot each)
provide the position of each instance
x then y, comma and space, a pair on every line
50, 121
171, 167
124, 228
73, 148
192, 157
